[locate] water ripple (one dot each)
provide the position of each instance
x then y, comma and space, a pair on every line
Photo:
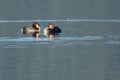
81, 38
26, 42
29, 39
113, 42
62, 20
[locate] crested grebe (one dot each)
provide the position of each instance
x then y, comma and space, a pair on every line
52, 29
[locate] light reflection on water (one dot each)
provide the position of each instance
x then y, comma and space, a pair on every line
61, 20
26, 42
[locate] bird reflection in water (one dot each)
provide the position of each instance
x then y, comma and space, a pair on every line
33, 34
36, 34
50, 36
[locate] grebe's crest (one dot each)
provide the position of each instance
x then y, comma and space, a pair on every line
35, 25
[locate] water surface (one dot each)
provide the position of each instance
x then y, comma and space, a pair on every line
87, 48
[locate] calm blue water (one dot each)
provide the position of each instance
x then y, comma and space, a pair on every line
87, 48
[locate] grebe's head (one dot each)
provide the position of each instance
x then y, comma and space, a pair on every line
35, 25
51, 26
